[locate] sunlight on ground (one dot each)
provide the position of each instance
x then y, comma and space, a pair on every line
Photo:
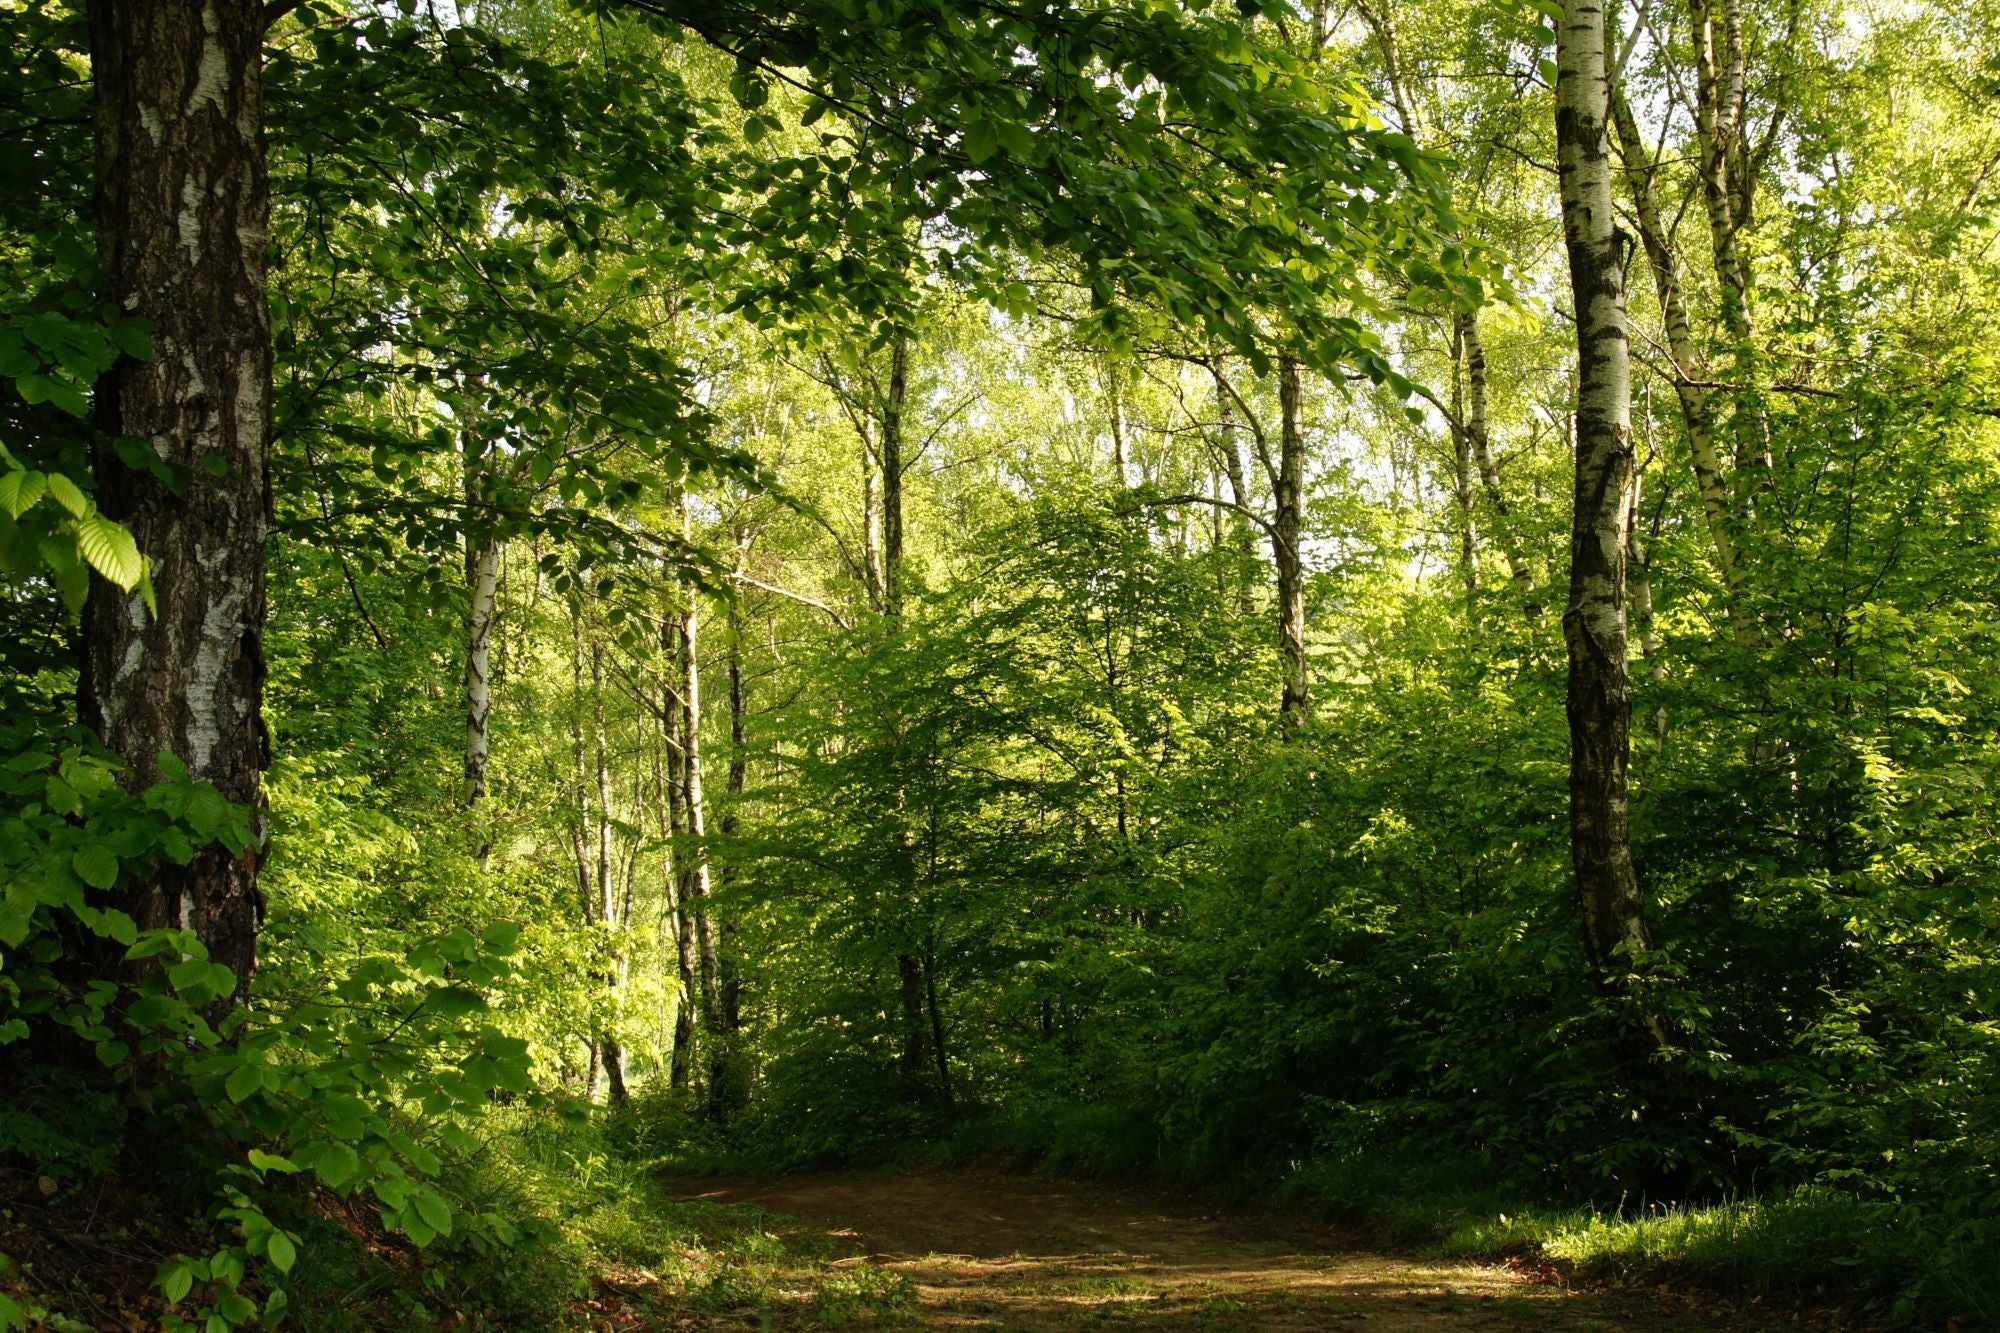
992, 1252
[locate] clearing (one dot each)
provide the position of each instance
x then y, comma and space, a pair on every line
989, 1251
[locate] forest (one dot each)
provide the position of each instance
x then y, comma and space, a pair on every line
1384, 611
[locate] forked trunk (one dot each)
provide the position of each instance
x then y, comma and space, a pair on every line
1696, 413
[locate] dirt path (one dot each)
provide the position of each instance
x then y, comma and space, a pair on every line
1013, 1252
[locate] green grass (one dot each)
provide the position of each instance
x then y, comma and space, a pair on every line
1802, 1247
595, 1225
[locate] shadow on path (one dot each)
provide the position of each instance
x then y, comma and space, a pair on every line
1011, 1252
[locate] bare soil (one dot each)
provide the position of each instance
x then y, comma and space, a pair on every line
990, 1251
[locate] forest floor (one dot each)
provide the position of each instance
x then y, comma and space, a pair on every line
988, 1251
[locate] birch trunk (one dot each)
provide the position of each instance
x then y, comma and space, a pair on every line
674, 821
1594, 630
726, 1098
1295, 706
611, 1054
696, 883
871, 523
183, 212
1696, 414
482, 587
1718, 88
482, 572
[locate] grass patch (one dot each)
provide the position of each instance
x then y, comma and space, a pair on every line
1808, 1247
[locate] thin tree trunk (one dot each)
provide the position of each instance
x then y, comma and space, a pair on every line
482, 588
1479, 436
1599, 694
1461, 478
1638, 562
729, 1098
482, 570
674, 819
717, 1037
183, 213
890, 442
938, 1050
1642, 176
1239, 489
1287, 526
909, 968
1118, 461
582, 838
1718, 63
871, 522
611, 1054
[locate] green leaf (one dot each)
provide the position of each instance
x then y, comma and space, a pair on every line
336, 1164
502, 937
20, 491
68, 495
95, 866
244, 1080
282, 1251
176, 1280
434, 1210
69, 398
110, 549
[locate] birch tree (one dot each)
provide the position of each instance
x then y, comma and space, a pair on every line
183, 215
1594, 630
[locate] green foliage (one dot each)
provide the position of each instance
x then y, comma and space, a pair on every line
622, 302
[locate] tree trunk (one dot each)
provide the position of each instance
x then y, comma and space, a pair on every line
1118, 459
729, 1098
1479, 436
674, 821
611, 1054
909, 968
718, 1039
1295, 706
871, 523
938, 1050
1696, 416
1239, 488
1639, 563
183, 214
482, 573
482, 587
1718, 101
1599, 697
890, 451
1461, 478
